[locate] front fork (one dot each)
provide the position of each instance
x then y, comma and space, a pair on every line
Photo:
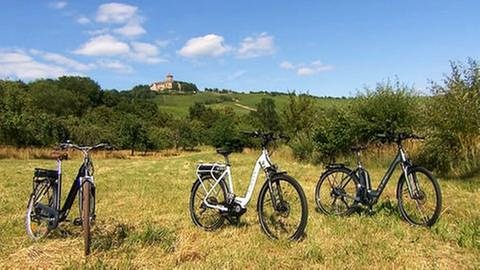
411, 180
275, 190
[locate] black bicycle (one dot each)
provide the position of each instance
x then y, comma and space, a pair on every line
44, 212
340, 190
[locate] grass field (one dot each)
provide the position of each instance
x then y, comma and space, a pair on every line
179, 104
143, 223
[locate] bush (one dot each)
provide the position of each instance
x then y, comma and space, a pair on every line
335, 134
389, 107
298, 123
453, 123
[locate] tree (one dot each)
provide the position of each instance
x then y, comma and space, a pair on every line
299, 114
132, 133
266, 117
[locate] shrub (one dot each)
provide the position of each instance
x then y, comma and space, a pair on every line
335, 134
388, 107
453, 121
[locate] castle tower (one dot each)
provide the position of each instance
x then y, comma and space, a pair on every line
169, 78
169, 81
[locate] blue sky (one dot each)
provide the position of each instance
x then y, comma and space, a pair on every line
325, 47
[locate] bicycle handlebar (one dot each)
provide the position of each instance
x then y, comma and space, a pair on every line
69, 145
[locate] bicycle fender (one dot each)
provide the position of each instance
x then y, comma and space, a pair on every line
335, 166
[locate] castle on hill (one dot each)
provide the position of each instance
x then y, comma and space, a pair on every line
167, 84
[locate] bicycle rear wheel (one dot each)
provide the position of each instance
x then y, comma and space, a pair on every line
336, 191
203, 216
424, 207
282, 210
38, 221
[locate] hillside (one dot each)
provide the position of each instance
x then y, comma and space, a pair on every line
239, 102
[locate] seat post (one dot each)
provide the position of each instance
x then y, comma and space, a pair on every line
358, 157
227, 161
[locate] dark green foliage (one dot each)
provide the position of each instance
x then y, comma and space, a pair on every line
389, 107
133, 134
299, 122
299, 114
265, 117
335, 134
224, 133
453, 120
184, 87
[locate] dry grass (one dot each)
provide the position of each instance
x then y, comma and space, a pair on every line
143, 223
10, 152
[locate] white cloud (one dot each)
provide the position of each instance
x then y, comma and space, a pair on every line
115, 66
61, 60
287, 65
104, 45
163, 43
210, 45
122, 14
256, 46
145, 53
98, 32
116, 13
22, 65
131, 29
83, 20
313, 68
58, 4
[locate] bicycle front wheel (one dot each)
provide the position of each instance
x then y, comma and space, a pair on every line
422, 206
282, 208
87, 203
335, 192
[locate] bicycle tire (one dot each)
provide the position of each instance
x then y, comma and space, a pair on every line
37, 195
420, 203
332, 190
86, 202
217, 218
265, 218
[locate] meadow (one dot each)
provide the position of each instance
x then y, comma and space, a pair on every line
143, 222
240, 103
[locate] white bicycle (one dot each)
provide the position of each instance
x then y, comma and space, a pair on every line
282, 206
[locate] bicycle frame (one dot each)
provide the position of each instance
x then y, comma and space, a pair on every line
400, 158
75, 188
263, 162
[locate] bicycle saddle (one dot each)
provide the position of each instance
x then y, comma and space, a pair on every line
224, 152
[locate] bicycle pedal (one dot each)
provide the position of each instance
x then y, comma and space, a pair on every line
77, 221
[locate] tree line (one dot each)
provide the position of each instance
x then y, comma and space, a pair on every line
47, 111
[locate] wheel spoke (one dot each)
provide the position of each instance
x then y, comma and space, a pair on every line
422, 207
